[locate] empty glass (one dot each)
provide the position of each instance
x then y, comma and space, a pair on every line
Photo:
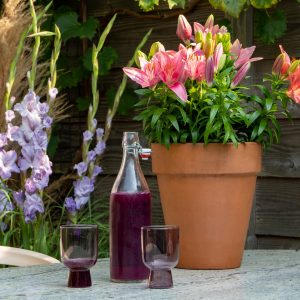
79, 252
160, 249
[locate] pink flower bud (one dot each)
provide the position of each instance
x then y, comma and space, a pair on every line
209, 71
217, 55
184, 29
240, 75
277, 66
209, 24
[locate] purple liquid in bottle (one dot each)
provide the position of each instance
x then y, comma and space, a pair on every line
128, 213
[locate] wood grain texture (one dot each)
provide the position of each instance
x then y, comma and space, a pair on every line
274, 242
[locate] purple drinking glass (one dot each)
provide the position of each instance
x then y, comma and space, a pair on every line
79, 252
160, 252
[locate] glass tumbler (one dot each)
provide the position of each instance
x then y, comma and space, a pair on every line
160, 250
79, 252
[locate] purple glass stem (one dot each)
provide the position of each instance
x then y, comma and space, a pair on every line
79, 279
160, 279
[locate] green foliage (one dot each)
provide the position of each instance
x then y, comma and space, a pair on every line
263, 4
217, 114
270, 26
232, 7
148, 5
70, 27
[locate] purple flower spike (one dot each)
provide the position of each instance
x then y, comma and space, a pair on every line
3, 140
87, 136
47, 122
83, 187
97, 170
30, 186
70, 205
99, 133
32, 205
81, 168
40, 178
8, 163
19, 198
43, 108
91, 156
81, 201
9, 115
100, 147
53, 93
94, 123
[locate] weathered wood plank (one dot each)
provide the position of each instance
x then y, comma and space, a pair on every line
270, 242
278, 207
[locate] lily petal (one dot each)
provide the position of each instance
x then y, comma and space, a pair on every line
179, 89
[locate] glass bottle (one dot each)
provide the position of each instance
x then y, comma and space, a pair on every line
130, 209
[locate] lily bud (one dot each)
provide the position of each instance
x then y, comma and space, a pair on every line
209, 22
137, 57
240, 75
217, 56
208, 47
278, 63
294, 65
209, 71
222, 62
184, 29
199, 38
156, 47
198, 27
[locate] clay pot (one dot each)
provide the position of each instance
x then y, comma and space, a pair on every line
208, 191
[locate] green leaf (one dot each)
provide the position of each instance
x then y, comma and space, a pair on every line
262, 126
179, 3
156, 115
107, 57
254, 116
231, 7
70, 27
143, 92
263, 4
147, 5
269, 104
83, 103
174, 122
72, 77
213, 112
184, 137
166, 138
194, 134
270, 26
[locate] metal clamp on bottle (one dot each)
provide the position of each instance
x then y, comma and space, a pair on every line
144, 153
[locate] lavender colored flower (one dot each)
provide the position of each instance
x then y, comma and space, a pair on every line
87, 136
30, 186
13, 133
91, 156
47, 122
70, 205
53, 93
3, 140
32, 205
43, 108
9, 115
99, 133
40, 178
19, 198
8, 163
100, 147
81, 201
81, 168
83, 187
40, 140
42, 161
97, 170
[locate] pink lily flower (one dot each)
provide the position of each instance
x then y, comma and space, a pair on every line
172, 72
294, 88
195, 64
209, 27
147, 76
282, 63
241, 74
184, 29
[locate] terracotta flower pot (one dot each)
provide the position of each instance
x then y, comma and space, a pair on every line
208, 192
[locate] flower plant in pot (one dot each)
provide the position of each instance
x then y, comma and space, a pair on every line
207, 132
